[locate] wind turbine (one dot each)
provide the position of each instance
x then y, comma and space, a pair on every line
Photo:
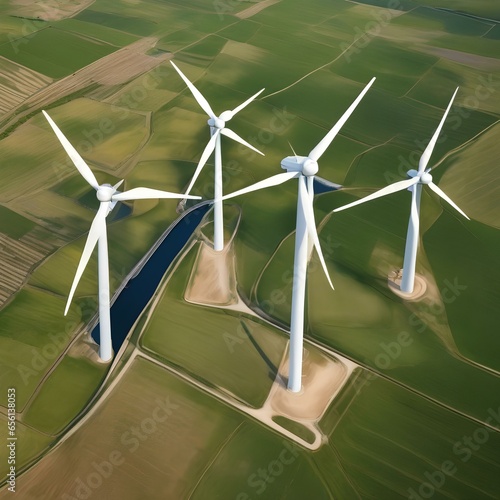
217, 128
108, 196
417, 179
304, 168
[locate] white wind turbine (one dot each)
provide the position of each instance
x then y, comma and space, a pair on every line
108, 197
304, 168
418, 178
217, 127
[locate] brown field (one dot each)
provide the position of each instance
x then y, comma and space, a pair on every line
48, 12
17, 259
118, 67
474, 60
255, 9
17, 83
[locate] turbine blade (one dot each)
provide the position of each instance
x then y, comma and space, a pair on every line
310, 192
316, 153
196, 93
118, 184
426, 155
209, 148
233, 135
275, 180
244, 104
307, 204
445, 197
78, 161
393, 188
142, 193
96, 230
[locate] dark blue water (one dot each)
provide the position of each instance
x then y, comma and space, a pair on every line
121, 211
139, 290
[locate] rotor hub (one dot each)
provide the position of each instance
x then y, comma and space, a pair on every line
218, 123
310, 167
426, 178
105, 192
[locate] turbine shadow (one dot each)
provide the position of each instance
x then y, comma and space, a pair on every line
273, 369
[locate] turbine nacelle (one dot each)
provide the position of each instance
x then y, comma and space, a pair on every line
424, 178
217, 122
303, 164
105, 192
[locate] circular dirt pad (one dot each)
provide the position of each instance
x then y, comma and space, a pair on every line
419, 288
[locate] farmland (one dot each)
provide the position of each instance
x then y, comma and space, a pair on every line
68, 45
415, 378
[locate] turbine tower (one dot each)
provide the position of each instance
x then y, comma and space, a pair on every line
108, 196
304, 168
417, 179
217, 128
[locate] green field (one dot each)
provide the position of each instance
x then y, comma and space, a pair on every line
69, 52
33, 332
100, 31
479, 193
137, 26
45, 413
13, 29
482, 8
109, 136
13, 224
